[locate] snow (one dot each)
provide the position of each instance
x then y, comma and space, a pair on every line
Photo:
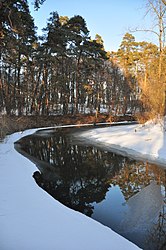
143, 142
30, 219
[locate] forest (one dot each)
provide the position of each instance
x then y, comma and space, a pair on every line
65, 71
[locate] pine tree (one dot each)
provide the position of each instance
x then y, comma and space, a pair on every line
18, 37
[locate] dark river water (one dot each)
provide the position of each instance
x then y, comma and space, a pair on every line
126, 195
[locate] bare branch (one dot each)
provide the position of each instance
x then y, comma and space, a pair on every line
158, 10
153, 8
144, 30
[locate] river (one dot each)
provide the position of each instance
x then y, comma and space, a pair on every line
126, 195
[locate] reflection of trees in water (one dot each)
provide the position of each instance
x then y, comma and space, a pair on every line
136, 175
77, 196
84, 174
159, 231
131, 179
58, 152
157, 236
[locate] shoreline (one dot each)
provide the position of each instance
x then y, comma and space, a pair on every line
147, 144
11, 124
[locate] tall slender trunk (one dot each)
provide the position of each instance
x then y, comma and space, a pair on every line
18, 84
77, 82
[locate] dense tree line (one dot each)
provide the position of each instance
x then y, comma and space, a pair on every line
66, 71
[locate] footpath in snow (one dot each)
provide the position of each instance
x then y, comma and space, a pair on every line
30, 219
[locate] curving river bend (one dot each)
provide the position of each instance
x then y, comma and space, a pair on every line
121, 193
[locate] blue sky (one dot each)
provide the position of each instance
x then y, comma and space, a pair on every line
109, 18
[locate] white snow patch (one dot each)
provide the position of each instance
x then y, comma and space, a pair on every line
146, 142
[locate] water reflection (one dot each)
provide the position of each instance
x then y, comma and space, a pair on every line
126, 195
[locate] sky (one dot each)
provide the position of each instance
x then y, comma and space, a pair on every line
109, 18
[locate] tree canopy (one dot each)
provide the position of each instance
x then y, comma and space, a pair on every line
65, 71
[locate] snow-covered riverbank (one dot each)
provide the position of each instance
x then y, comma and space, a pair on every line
30, 219
144, 142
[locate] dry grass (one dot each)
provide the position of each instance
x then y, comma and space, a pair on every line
11, 124
143, 117
3, 127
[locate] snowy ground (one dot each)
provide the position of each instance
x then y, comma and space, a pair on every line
144, 142
30, 219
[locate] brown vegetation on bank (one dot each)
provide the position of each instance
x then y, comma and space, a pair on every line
11, 124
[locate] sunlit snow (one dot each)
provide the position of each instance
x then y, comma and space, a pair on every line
146, 142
